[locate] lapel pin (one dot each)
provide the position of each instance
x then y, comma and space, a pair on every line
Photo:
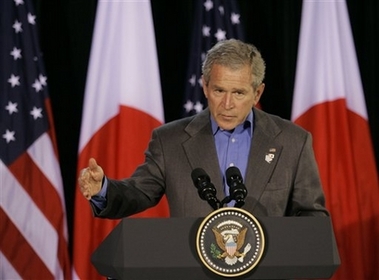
269, 157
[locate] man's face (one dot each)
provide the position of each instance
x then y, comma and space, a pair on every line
231, 95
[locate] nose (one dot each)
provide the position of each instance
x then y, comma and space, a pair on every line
228, 101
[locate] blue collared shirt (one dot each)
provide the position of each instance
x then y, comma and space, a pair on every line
233, 147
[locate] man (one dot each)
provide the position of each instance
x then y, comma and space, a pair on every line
275, 156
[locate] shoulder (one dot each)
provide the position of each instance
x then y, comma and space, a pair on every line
189, 125
174, 125
274, 124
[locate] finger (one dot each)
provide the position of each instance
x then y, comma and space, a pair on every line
87, 195
83, 176
83, 172
83, 186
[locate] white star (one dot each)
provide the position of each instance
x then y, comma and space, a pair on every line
42, 80
14, 80
36, 113
188, 106
220, 35
37, 85
235, 18
17, 26
16, 53
198, 107
221, 10
31, 18
206, 31
192, 80
18, 2
208, 5
200, 81
9, 136
203, 54
11, 108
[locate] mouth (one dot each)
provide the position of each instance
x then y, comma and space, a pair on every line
226, 117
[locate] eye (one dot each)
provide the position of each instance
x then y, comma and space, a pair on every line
239, 94
218, 92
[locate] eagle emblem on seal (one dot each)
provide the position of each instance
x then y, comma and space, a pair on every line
231, 240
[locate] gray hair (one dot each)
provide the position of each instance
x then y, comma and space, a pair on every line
235, 54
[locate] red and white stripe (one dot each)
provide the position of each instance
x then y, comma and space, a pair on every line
33, 229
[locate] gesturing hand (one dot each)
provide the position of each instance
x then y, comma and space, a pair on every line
90, 179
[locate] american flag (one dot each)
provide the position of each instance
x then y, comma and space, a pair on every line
215, 20
33, 242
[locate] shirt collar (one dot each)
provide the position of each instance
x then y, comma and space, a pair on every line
247, 124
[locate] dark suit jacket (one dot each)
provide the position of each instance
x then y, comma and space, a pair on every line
286, 186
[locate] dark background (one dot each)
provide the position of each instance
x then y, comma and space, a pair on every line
272, 25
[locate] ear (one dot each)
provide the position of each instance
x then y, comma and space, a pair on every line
258, 93
205, 88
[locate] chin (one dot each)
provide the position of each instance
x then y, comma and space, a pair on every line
227, 127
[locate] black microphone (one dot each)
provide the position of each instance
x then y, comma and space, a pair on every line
205, 188
237, 189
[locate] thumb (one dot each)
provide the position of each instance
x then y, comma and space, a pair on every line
92, 164
96, 171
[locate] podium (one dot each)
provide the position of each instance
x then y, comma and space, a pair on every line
165, 248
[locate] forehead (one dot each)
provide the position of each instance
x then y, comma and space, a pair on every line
223, 75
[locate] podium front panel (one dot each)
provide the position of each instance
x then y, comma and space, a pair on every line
165, 248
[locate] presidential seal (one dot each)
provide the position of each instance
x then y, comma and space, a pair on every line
230, 242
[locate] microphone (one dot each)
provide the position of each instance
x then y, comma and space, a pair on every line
237, 189
205, 188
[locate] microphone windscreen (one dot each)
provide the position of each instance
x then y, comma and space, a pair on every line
232, 173
198, 172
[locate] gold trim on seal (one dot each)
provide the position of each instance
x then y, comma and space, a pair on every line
230, 242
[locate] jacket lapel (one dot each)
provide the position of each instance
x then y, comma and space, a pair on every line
201, 151
263, 156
